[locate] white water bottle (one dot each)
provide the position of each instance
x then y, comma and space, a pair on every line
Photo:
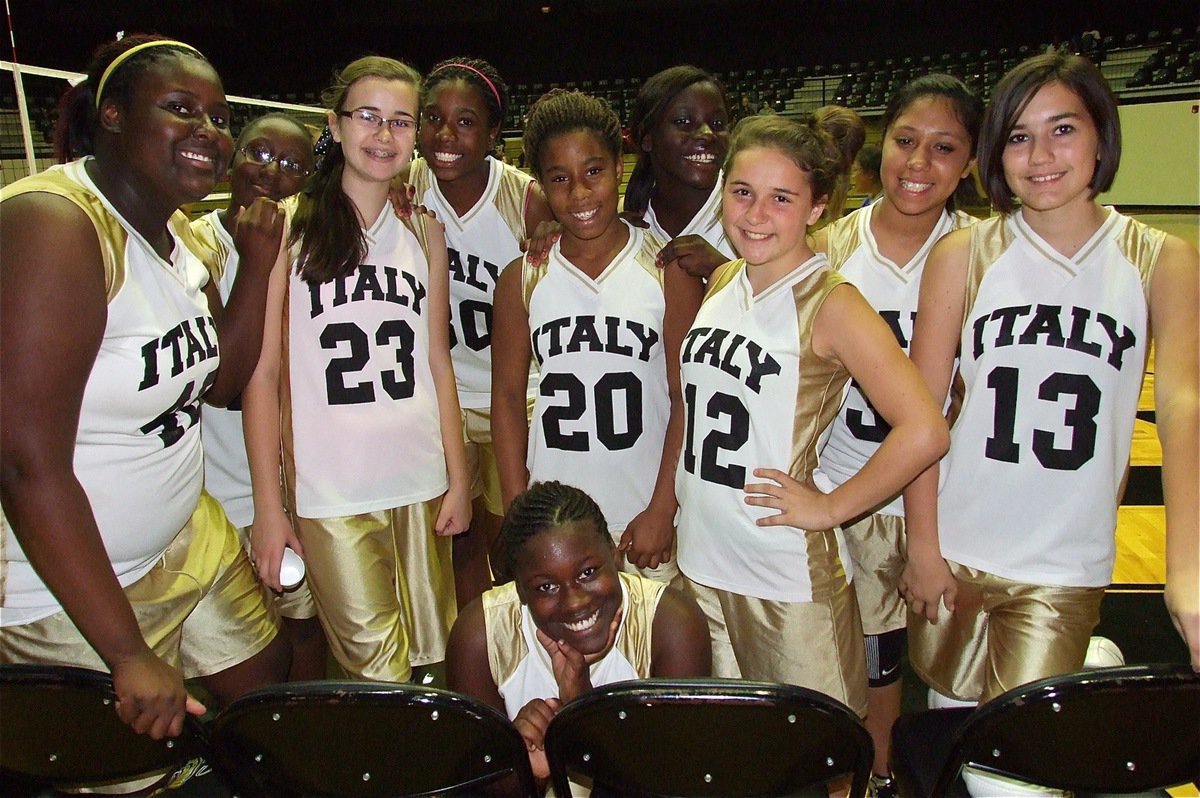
291, 569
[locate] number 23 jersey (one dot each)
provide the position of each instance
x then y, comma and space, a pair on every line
756, 395
1052, 355
365, 433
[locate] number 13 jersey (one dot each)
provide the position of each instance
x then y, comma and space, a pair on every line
364, 432
1052, 355
756, 395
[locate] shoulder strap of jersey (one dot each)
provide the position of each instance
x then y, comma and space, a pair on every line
1141, 244
110, 234
842, 237
990, 239
512, 197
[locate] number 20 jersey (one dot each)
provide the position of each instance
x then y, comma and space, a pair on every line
600, 416
756, 395
1052, 355
365, 433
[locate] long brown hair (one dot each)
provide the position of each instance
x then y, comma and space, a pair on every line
326, 226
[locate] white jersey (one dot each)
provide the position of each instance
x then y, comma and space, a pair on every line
137, 448
365, 432
1053, 351
479, 244
756, 396
226, 467
600, 416
520, 665
706, 223
892, 289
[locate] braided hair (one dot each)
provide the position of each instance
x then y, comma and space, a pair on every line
542, 506
559, 111
474, 72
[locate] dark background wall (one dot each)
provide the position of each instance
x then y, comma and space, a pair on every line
293, 45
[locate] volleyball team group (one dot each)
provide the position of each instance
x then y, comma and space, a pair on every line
554, 440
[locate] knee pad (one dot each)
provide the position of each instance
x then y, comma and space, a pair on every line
883, 657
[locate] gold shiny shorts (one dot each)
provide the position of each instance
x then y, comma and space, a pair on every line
200, 608
1002, 634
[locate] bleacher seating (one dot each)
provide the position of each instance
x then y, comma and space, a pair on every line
1154, 62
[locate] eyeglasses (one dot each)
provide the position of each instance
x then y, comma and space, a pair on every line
371, 119
264, 157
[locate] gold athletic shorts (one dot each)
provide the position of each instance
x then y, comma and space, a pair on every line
1002, 634
876, 546
813, 644
200, 608
481, 459
383, 584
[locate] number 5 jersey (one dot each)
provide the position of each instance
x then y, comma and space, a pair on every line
360, 423
1052, 355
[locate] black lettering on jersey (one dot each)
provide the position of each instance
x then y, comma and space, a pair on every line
1095, 334
738, 356
198, 335
610, 334
398, 287
182, 415
475, 318
467, 270
892, 317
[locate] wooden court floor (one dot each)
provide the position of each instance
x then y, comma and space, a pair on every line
1141, 521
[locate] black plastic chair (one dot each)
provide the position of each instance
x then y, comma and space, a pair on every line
367, 740
59, 730
706, 737
1128, 729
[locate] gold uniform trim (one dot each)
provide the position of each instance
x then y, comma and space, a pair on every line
819, 394
512, 198
111, 236
842, 240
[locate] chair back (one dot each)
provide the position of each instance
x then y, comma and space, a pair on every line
59, 729
366, 740
1115, 730
706, 737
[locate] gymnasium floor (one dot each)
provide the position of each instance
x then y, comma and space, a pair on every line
1141, 523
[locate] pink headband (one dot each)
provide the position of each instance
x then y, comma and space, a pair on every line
490, 85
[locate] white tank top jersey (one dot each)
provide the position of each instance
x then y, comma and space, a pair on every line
706, 223
137, 450
226, 467
479, 244
365, 434
1053, 352
600, 416
756, 396
892, 289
